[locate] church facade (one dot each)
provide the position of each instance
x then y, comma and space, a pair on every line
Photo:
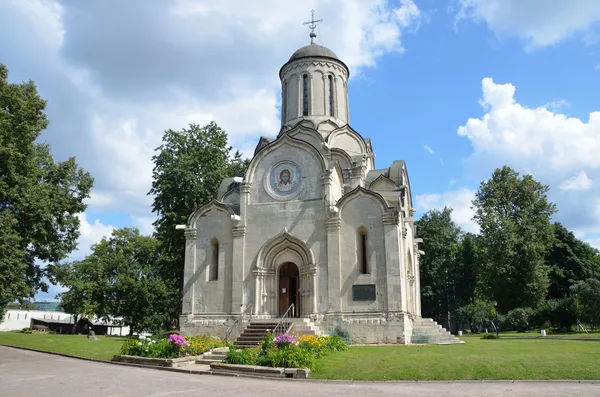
312, 228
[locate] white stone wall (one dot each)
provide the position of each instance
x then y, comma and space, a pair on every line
362, 212
211, 296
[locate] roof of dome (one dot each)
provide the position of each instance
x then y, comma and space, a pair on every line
313, 50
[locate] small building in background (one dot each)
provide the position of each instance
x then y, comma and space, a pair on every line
58, 322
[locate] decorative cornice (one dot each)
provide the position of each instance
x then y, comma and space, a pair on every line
238, 231
303, 65
308, 270
391, 217
326, 177
191, 233
245, 187
333, 224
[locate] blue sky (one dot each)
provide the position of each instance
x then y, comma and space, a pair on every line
456, 88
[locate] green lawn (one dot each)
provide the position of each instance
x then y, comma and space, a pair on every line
477, 359
77, 345
536, 334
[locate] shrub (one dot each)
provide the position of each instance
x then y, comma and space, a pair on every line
555, 315
490, 336
201, 344
26, 331
518, 319
244, 356
479, 314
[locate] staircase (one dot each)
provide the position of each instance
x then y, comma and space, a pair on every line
427, 331
214, 356
255, 332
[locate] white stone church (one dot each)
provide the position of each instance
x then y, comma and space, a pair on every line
313, 228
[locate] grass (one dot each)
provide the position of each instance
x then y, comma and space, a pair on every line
77, 345
522, 359
536, 334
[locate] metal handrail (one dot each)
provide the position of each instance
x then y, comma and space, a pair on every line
241, 316
279, 328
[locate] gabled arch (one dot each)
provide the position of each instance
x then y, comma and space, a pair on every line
351, 133
343, 154
327, 125
382, 180
311, 135
284, 241
285, 139
358, 192
214, 205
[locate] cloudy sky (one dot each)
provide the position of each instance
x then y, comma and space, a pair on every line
454, 87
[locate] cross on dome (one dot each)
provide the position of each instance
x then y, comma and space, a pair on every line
312, 24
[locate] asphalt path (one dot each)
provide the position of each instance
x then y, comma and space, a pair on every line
27, 373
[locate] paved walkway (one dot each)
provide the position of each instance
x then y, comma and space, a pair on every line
26, 373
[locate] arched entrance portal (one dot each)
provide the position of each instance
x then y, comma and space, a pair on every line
289, 288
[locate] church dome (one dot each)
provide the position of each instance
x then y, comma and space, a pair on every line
313, 50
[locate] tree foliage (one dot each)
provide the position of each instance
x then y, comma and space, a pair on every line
513, 214
39, 198
448, 272
587, 301
188, 169
119, 279
569, 260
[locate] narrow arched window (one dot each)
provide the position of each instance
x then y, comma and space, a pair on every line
362, 251
214, 265
305, 95
331, 108
284, 102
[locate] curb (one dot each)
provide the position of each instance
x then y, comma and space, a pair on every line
339, 381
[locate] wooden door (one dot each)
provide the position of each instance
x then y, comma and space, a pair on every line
289, 288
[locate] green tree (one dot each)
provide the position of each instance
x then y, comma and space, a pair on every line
39, 198
119, 279
513, 214
188, 169
569, 260
587, 300
440, 243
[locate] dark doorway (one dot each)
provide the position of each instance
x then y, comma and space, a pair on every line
289, 288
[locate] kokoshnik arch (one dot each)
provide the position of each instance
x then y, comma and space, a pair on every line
312, 223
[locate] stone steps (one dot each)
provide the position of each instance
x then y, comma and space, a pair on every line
427, 331
214, 356
255, 332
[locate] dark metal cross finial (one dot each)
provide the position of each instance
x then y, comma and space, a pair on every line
312, 24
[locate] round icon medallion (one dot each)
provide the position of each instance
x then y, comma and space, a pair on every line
285, 179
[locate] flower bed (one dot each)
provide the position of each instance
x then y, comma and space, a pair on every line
173, 346
285, 351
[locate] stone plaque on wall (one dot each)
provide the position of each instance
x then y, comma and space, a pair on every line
363, 292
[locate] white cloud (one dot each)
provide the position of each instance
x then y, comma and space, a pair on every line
557, 105
90, 233
537, 23
460, 200
579, 182
430, 150
557, 150
112, 92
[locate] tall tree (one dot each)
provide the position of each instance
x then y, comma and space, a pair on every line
119, 279
39, 198
440, 243
188, 169
513, 214
569, 260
